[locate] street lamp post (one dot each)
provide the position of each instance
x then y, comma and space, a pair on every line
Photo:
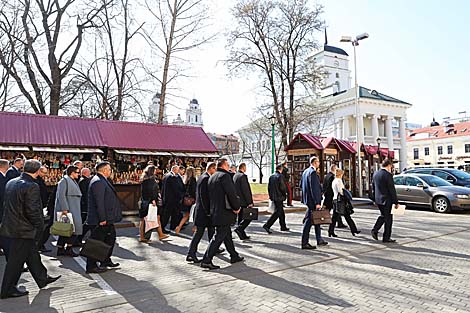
273, 120
355, 42
378, 140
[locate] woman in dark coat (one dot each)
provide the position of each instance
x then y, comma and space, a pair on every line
190, 186
150, 194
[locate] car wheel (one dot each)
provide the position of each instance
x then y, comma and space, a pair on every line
441, 205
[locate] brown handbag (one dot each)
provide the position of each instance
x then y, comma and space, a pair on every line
320, 217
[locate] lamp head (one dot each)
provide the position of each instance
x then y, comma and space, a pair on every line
378, 140
272, 119
362, 36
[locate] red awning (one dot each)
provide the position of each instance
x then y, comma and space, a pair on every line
58, 131
313, 141
342, 145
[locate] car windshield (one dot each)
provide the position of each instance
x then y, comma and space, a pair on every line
460, 174
435, 181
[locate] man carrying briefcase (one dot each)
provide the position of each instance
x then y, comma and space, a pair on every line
243, 189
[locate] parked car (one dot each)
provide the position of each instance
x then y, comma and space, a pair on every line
431, 191
452, 175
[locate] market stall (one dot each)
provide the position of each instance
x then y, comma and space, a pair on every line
299, 151
129, 146
341, 153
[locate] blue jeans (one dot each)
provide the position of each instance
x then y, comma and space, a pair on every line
307, 226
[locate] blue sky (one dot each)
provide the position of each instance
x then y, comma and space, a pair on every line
418, 51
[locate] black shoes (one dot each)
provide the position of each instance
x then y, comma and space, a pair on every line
322, 243
332, 235
15, 294
96, 270
389, 241
109, 264
210, 266
285, 229
192, 259
357, 232
266, 228
220, 250
241, 234
236, 259
50, 279
374, 234
308, 247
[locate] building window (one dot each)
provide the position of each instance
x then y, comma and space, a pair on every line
426, 151
337, 75
439, 150
467, 148
415, 153
450, 149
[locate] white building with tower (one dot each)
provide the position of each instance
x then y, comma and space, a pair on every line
378, 113
154, 110
194, 114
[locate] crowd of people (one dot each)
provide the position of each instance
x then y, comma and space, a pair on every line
216, 201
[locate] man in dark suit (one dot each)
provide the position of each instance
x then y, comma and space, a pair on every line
23, 224
277, 194
385, 197
311, 196
225, 206
243, 189
15, 170
202, 218
104, 210
3, 181
84, 184
285, 173
173, 191
44, 200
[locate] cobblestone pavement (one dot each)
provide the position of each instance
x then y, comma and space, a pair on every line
427, 271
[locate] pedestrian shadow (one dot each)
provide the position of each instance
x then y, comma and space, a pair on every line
41, 303
432, 251
393, 264
125, 253
266, 280
140, 294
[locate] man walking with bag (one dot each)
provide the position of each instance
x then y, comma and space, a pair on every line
311, 196
23, 224
242, 186
277, 194
104, 210
224, 206
385, 197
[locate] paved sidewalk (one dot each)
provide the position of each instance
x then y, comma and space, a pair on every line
426, 272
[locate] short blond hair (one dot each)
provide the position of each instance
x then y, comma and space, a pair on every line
339, 173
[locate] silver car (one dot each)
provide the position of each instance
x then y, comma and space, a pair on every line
432, 192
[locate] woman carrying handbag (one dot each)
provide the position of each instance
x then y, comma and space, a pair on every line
190, 197
67, 200
341, 205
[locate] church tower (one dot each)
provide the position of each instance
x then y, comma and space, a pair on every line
194, 114
154, 110
334, 62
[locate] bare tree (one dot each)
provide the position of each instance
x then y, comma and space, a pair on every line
111, 80
274, 39
256, 144
181, 25
43, 55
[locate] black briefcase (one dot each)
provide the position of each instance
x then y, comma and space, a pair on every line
95, 249
250, 213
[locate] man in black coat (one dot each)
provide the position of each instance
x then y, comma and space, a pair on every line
15, 170
224, 206
328, 192
173, 191
202, 214
23, 224
3, 181
84, 184
385, 197
104, 210
243, 189
277, 193
44, 200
